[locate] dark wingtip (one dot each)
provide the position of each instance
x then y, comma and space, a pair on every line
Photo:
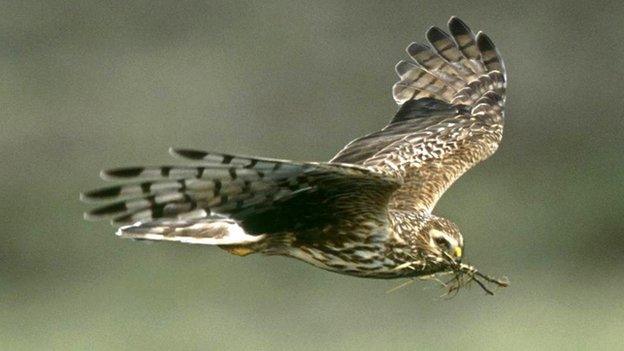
492, 58
435, 33
126, 172
188, 153
108, 210
457, 26
484, 43
102, 193
416, 48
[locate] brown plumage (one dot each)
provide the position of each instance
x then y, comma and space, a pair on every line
366, 212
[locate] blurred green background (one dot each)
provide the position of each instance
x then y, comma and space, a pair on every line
87, 85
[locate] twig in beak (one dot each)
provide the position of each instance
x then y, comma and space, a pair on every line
503, 283
474, 273
487, 291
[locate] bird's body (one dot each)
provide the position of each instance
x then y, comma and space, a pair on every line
370, 249
366, 212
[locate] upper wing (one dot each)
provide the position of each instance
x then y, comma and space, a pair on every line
451, 117
262, 195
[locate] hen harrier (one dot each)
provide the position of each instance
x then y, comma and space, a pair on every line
366, 212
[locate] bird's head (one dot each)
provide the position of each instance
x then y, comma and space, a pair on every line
441, 238
441, 245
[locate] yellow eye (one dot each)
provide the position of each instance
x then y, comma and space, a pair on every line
457, 251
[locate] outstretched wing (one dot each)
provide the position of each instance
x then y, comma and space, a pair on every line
452, 95
254, 195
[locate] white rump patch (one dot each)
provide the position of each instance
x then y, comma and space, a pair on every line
207, 231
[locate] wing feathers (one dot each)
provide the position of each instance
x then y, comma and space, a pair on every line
452, 95
211, 187
489, 54
226, 160
464, 38
232, 186
448, 65
430, 60
417, 83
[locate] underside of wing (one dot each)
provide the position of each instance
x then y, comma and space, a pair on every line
451, 96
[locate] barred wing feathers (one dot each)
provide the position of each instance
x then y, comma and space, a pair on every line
235, 199
452, 95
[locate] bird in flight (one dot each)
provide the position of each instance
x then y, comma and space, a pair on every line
368, 211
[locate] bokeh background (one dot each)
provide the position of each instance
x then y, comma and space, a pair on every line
87, 85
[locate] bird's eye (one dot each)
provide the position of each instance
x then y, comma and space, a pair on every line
442, 242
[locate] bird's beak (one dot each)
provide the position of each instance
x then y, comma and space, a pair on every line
457, 251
